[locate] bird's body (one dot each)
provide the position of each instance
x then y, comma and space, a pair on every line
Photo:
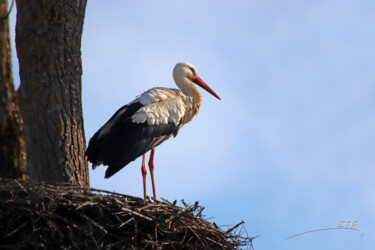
143, 124
149, 120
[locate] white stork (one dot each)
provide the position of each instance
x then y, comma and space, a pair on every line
146, 122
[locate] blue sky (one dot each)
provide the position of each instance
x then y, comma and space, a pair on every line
290, 148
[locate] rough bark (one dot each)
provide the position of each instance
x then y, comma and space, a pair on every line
12, 142
48, 41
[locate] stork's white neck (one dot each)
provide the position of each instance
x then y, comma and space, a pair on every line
188, 87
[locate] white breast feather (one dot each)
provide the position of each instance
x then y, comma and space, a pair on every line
162, 106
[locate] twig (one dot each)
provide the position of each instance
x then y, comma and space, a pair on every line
19, 184
196, 235
185, 204
95, 224
87, 203
199, 214
14, 231
135, 213
126, 222
237, 225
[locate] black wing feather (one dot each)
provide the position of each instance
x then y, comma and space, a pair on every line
124, 141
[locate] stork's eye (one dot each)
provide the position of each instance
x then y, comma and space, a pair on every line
193, 71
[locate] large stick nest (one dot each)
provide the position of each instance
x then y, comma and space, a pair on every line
35, 215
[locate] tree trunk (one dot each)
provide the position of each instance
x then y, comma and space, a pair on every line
12, 142
48, 41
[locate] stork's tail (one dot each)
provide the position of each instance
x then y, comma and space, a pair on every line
94, 166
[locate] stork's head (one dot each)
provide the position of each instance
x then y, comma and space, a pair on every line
184, 74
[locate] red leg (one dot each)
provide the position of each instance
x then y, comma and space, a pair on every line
144, 173
151, 167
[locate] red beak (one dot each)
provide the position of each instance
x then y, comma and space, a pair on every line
201, 83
